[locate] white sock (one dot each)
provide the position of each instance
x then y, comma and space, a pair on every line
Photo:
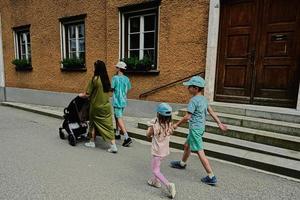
210, 175
117, 132
126, 135
182, 163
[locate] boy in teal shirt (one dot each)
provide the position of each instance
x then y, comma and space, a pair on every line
120, 85
196, 115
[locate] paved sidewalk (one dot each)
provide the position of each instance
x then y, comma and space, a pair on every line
36, 164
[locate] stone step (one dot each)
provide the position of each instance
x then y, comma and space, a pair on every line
264, 112
270, 163
237, 143
253, 135
257, 123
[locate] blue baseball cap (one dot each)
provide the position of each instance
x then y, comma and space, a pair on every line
195, 81
164, 109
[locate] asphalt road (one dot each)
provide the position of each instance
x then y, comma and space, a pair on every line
36, 164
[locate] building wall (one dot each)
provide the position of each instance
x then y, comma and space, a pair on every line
182, 43
1, 58
2, 82
45, 42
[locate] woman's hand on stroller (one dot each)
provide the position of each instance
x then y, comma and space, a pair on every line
83, 95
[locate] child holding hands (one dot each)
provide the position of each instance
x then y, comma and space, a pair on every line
196, 116
160, 129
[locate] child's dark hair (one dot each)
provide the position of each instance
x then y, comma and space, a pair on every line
122, 70
165, 122
199, 88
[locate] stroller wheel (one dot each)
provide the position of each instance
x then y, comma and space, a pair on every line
72, 140
61, 134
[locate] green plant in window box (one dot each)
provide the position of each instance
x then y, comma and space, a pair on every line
22, 64
135, 64
73, 63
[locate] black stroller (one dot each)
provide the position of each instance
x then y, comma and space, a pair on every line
75, 122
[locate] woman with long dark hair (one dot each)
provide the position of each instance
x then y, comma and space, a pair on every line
100, 108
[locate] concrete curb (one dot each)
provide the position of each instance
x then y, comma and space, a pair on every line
45, 112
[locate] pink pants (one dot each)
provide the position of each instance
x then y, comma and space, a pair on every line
155, 164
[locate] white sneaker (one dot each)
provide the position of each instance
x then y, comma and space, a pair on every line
154, 183
112, 150
90, 144
172, 190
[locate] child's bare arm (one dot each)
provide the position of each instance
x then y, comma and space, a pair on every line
150, 132
186, 118
222, 126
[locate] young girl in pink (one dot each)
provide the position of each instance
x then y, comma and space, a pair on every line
160, 130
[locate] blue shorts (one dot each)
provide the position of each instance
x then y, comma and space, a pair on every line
119, 112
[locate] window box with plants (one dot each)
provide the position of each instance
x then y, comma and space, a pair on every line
73, 64
22, 64
135, 65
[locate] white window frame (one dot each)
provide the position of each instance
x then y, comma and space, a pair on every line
123, 37
63, 25
18, 43
141, 34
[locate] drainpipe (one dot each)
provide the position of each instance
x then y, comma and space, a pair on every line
2, 75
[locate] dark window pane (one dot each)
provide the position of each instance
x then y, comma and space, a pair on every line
81, 45
149, 40
23, 49
29, 49
80, 30
72, 32
72, 54
134, 24
72, 45
134, 54
134, 41
149, 54
149, 23
82, 55
28, 37
22, 35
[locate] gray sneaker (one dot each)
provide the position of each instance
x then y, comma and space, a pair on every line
172, 190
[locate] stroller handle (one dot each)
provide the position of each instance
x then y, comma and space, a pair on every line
66, 111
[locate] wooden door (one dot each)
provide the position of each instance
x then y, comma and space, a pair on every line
277, 68
258, 59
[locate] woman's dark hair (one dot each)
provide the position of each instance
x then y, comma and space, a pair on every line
165, 123
100, 70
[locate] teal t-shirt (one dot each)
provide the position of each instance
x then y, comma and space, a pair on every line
121, 85
197, 106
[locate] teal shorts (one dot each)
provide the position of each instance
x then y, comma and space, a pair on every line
119, 112
194, 139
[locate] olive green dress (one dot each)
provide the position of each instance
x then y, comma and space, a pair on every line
100, 110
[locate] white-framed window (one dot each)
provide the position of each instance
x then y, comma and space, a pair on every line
139, 35
22, 43
73, 38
